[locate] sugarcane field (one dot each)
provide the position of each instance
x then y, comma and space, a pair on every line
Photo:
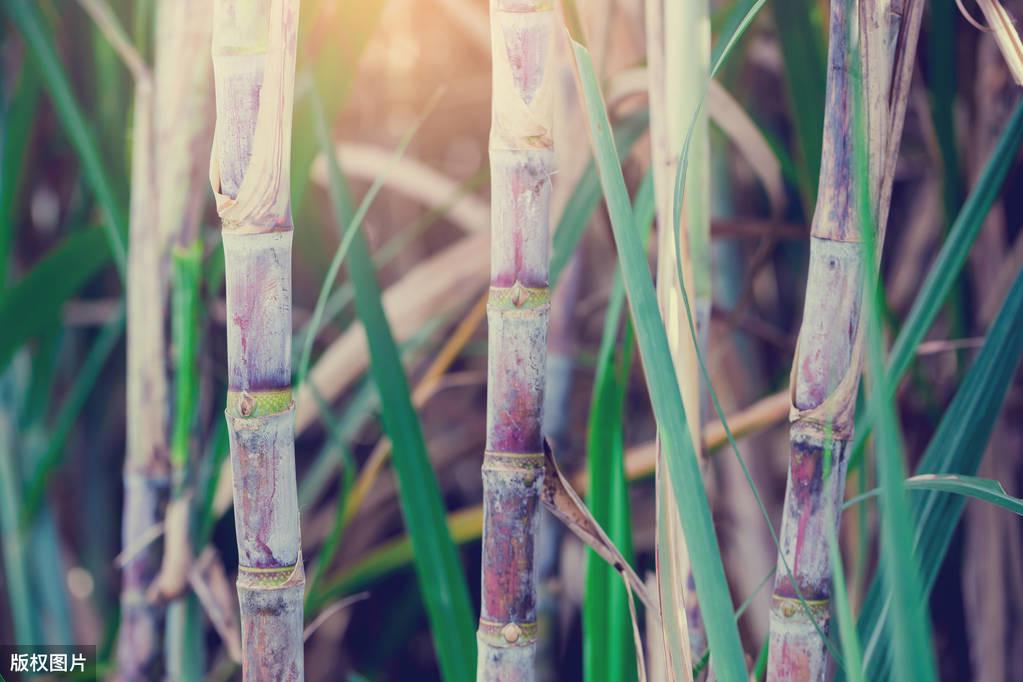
511, 340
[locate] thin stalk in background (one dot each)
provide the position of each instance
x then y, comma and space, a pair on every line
183, 92
521, 164
254, 72
146, 465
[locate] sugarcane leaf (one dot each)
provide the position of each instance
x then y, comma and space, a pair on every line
910, 625
694, 511
85, 380
441, 581
353, 227
27, 308
739, 19
16, 121
956, 448
562, 501
25, 15
948, 264
852, 653
798, 23
986, 489
586, 195
607, 650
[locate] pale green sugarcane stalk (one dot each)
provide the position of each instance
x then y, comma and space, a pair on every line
686, 73
254, 43
521, 164
146, 466
184, 127
666, 134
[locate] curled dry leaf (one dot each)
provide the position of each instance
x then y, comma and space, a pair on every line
562, 501
565, 504
1004, 32
177, 555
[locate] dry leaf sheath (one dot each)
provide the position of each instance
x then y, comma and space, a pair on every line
521, 161
254, 68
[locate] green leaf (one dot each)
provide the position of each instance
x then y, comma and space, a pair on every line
441, 581
608, 650
956, 448
356, 224
852, 654
27, 308
798, 23
985, 489
948, 264
673, 430
16, 121
910, 626
586, 196
25, 14
85, 380
186, 281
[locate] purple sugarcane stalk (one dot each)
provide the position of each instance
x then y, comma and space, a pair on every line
521, 164
147, 465
826, 369
254, 44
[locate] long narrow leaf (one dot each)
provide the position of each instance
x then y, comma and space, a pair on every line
26, 16
673, 430
956, 448
441, 581
34, 302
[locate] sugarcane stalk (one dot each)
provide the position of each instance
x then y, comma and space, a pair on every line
865, 37
668, 126
686, 71
254, 46
521, 164
183, 125
147, 465
146, 472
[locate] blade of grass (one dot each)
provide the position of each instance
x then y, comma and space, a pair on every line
956, 448
33, 29
323, 131
441, 580
985, 489
608, 651
947, 265
31, 305
798, 23
694, 511
910, 626
586, 196
85, 380
15, 546
16, 121
851, 651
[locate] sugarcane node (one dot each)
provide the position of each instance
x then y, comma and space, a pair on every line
511, 632
246, 404
518, 295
